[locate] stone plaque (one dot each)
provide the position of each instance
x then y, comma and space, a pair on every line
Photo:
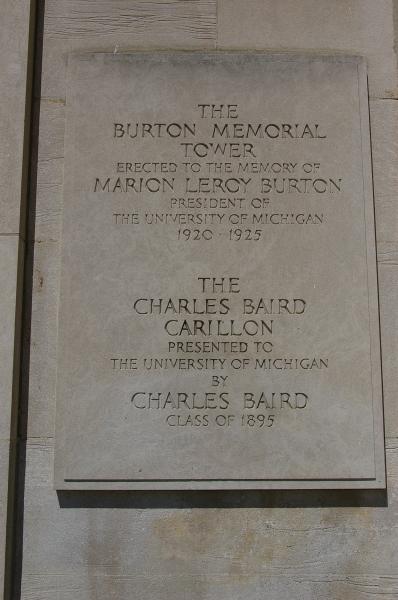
219, 319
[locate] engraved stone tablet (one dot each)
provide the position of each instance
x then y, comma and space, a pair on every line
219, 322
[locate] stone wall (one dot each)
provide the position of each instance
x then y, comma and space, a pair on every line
201, 545
16, 52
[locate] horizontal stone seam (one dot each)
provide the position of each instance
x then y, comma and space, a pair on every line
62, 101
12, 234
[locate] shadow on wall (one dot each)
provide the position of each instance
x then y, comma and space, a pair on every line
223, 499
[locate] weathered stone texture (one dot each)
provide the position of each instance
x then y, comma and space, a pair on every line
384, 131
388, 284
11, 253
15, 46
362, 26
14, 51
6, 450
11, 250
115, 26
42, 371
47, 225
273, 546
257, 545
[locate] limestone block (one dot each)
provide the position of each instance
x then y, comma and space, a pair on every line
11, 257
387, 253
11, 249
14, 44
358, 26
6, 448
384, 133
42, 373
284, 546
48, 201
72, 25
388, 293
